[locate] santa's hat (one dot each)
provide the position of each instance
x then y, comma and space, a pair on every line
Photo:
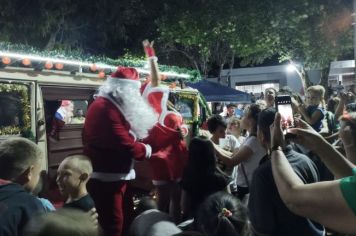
124, 74
65, 103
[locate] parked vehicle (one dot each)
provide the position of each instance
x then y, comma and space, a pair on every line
30, 99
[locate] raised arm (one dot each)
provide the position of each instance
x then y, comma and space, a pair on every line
233, 159
333, 159
223, 155
152, 60
340, 108
322, 202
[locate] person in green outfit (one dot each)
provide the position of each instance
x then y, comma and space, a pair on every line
331, 203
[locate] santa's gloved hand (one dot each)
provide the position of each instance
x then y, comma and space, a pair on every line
149, 50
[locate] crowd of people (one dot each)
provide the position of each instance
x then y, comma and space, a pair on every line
247, 175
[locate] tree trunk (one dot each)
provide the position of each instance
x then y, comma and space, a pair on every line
51, 42
307, 82
219, 75
303, 78
231, 66
53, 37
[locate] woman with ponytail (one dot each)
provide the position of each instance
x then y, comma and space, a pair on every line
222, 214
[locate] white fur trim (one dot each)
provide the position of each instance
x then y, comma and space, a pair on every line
115, 80
164, 115
128, 100
148, 151
165, 90
153, 58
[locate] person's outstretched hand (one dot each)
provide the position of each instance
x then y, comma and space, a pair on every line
305, 135
277, 137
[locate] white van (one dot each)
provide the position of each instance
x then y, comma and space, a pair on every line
30, 98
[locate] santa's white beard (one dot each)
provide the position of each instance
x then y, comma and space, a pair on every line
135, 109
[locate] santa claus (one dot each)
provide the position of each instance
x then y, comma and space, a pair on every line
115, 122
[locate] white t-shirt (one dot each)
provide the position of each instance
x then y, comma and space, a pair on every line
252, 163
240, 139
233, 146
234, 143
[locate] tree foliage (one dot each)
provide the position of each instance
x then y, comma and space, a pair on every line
312, 33
195, 33
93, 26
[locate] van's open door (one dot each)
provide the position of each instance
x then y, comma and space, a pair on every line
64, 139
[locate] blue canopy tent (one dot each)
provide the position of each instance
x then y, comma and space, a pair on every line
214, 92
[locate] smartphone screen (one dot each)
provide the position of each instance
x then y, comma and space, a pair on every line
284, 107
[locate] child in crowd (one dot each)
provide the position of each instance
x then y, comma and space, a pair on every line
234, 128
270, 96
314, 112
20, 167
72, 177
222, 214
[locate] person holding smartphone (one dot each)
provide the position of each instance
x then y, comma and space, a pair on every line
331, 203
347, 103
267, 212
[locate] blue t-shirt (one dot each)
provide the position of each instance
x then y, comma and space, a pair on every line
239, 113
318, 125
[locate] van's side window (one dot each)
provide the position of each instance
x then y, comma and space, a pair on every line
15, 113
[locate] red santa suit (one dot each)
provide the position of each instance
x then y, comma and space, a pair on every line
169, 162
111, 142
